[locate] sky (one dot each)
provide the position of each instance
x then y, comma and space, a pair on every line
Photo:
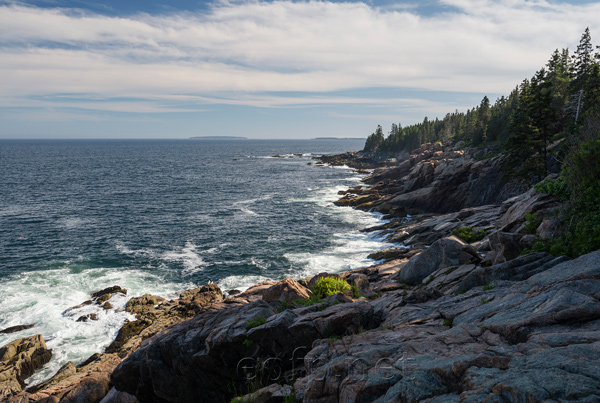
266, 69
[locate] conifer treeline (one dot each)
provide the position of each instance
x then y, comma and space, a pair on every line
540, 110
560, 103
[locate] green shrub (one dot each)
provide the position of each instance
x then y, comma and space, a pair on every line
532, 222
469, 235
326, 286
248, 343
259, 320
312, 300
488, 287
557, 187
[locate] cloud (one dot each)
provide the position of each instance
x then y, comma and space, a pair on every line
252, 47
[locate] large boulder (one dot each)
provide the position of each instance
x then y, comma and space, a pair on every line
522, 205
18, 361
505, 246
287, 290
518, 269
445, 252
144, 304
196, 300
88, 383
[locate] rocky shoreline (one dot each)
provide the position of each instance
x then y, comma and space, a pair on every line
441, 320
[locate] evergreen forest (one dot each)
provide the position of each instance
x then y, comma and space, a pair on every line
549, 123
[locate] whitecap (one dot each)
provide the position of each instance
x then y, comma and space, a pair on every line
248, 211
73, 222
41, 298
188, 256
241, 283
254, 200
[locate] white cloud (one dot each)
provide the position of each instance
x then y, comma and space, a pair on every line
247, 47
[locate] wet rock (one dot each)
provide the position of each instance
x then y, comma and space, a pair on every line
17, 328
110, 290
354, 200
85, 318
89, 382
69, 311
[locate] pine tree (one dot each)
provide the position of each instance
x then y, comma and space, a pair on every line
582, 61
375, 140
483, 119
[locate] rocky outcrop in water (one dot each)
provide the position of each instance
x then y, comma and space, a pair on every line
89, 382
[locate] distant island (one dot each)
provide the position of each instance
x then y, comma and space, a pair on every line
339, 138
218, 138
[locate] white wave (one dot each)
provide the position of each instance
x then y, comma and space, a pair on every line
188, 256
74, 222
144, 252
41, 297
349, 252
255, 200
14, 210
241, 283
258, 263
249, 212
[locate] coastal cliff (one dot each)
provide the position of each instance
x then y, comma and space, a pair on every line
444, 319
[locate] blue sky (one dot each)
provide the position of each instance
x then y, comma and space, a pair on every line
265, 69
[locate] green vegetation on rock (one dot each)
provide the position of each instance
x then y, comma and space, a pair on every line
257, 321
326, 286
469, 235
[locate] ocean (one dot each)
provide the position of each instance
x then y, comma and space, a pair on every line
159, 217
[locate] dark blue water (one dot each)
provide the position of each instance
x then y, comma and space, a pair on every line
161, 216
